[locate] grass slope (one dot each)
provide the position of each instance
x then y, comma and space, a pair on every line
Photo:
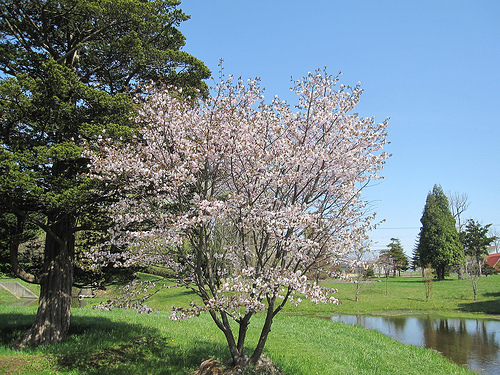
123, 342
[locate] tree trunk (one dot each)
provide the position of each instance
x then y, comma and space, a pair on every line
14, 254
236, 349
223, 324
266, 329
440, 273
52, 321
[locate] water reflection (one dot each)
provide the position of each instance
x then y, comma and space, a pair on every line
471, 342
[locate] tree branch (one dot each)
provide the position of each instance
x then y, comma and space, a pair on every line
46, 228
14, 256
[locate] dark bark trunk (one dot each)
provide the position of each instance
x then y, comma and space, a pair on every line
14, 255
440, 273
225, 327
266, 329
236, 348
52, 321
242, 332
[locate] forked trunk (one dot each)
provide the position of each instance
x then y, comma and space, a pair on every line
236, 348
52, 320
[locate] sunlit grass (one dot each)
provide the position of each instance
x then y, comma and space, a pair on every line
406, 295
451, 297
124, 342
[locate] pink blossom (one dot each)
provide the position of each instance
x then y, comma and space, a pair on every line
244, 199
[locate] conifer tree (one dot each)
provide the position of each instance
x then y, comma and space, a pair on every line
68, 71
439, 243
476, 241
397, 255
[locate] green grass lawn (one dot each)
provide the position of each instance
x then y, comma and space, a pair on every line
406, 295
124, 342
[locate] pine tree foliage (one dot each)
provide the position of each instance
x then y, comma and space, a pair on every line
68, 72
475, 240
397, 256
439, 243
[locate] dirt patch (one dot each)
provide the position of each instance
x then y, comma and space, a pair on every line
17, 365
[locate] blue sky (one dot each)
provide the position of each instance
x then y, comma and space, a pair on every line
433, 67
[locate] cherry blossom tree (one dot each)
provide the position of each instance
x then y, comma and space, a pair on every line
242, 198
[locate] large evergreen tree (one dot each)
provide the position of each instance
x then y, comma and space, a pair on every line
69, 71
439, 243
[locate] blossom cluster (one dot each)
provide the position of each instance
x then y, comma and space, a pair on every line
133, 297
244, 199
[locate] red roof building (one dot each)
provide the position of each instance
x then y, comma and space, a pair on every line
494, 261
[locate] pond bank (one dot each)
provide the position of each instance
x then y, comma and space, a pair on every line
468, 342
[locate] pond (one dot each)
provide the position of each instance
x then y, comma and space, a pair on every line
474, 343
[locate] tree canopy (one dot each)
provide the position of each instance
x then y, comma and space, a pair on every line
241, 198
70, 70
112, 45
439, 243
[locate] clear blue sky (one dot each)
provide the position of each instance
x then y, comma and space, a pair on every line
432, 66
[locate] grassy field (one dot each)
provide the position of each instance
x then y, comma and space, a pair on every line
123, 342
406, 295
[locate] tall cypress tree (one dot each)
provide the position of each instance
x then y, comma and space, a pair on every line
439, 243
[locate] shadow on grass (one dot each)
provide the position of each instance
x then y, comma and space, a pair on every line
145, 354
415, 299
97, 345
487, 307
12, 326
496, 294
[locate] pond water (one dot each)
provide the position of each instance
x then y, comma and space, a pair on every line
474, 343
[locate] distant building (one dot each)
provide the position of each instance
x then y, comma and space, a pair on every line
492, 250
493, 260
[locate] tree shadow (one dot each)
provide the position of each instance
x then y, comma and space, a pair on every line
415, 299
146, 354
487, 307
12, 326
98, 345
495, 294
